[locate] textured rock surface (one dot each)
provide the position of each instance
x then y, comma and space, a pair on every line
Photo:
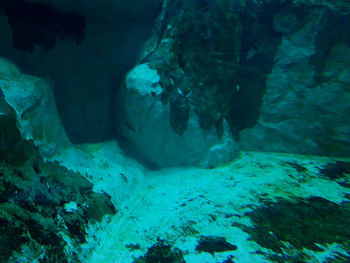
33, 101
306, 104
273, 71
148, 127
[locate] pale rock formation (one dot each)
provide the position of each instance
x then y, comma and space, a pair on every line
147, 127
33, 101
298, 114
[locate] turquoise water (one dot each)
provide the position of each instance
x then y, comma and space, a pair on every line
197, 131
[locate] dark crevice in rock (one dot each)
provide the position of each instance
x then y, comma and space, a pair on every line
179, 114
40, 24
259, 43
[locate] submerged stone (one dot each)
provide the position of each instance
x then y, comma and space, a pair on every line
147, 125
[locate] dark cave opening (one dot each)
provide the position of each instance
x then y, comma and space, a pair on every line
84, 58
40, 24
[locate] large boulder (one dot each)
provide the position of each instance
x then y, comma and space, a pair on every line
147, 126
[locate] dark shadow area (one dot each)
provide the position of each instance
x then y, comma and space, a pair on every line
259, 43
41, 25
85, 59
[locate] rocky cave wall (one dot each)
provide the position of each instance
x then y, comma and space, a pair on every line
212, 75
276, 71
305, 108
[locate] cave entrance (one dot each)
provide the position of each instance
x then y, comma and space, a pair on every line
84, 52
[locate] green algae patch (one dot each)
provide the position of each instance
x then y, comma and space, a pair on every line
337, 170
212, 244
43, 206
161, 252
306, 223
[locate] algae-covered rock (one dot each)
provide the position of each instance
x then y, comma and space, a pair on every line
34, 222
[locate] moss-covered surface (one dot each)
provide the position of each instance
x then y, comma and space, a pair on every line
288, 227
161, 253
212, 244
200, 65
34, 198
337, 170
203, 60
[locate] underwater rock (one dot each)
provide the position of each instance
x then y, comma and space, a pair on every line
303, 112
33, 101
148, 127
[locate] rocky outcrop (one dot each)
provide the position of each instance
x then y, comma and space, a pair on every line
33, 101
177, 101
305, 108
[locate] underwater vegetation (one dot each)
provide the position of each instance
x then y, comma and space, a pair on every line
161, 253
288, 227
41, 202
213, 244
